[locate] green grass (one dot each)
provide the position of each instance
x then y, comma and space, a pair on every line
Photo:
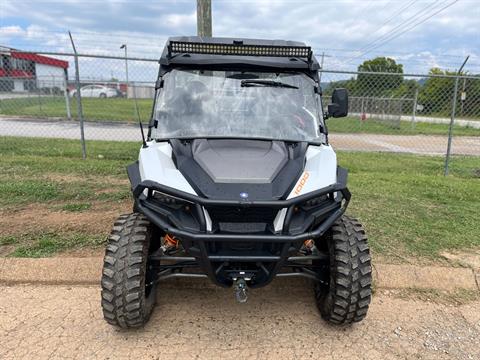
371, 126
408, 207
33, 171
20, 191
8, 240
63, 156
47, 244
109, 109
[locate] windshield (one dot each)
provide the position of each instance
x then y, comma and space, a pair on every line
237, 104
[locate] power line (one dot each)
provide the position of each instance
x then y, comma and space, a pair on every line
154, 47
406, 61
396, 35
144, 41
398, 27
403, 8
319, 50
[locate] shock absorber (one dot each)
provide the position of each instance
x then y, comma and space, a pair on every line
308, 247
169, 243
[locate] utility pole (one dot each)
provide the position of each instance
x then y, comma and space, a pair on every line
204, 18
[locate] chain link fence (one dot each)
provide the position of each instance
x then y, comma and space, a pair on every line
407, 113
398, 113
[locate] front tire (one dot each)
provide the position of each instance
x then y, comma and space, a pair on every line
128, 278
345, 296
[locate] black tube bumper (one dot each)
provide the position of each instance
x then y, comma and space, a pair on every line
138, 188
197, 240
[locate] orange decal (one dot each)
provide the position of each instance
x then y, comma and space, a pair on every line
301, 183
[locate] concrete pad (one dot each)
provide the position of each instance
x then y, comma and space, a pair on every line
66, 322
468, 258
51, 270
428, 277
87, 271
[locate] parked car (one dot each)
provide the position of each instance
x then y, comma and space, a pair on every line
97, 91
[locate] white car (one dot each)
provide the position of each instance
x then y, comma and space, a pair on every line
97, 91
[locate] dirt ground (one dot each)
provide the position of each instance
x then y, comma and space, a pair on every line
34, 217
40, 218
278, 322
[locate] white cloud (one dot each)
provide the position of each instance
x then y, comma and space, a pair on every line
181, 20
10, 31
325, 25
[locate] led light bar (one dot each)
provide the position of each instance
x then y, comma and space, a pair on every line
239, 49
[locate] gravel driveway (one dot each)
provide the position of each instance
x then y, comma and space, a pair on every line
278, 322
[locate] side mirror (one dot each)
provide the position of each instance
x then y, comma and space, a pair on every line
339, 105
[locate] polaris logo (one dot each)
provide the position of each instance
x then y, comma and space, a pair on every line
244, 195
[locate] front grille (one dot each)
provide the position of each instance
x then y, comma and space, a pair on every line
232, 214
242, 227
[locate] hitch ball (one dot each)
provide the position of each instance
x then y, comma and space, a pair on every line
241, 290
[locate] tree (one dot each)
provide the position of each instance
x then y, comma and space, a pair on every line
437, 92
381, 84
471, 106
349, 84
407, 89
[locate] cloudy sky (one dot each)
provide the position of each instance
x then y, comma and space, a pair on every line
418, 33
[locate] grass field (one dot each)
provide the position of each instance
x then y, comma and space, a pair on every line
52, 201
120, 109
110, 109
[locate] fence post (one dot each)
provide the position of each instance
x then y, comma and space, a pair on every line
67, 99
414, 111
363, 116
452, 118
79, 99
462, 100
40, 101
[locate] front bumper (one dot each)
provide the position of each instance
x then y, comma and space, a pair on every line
277, 246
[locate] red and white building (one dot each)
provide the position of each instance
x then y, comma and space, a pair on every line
23, 72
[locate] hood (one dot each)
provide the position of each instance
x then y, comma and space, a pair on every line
240, 168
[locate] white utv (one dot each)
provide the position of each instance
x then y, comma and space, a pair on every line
236, 182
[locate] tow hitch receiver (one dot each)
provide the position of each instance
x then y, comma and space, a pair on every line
241, 290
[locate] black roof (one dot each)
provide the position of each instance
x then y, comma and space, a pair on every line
192, 59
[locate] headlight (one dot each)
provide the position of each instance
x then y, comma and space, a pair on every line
169, 200
316, 201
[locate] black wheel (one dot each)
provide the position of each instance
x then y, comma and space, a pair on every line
128, 279
103, 96
345, 295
